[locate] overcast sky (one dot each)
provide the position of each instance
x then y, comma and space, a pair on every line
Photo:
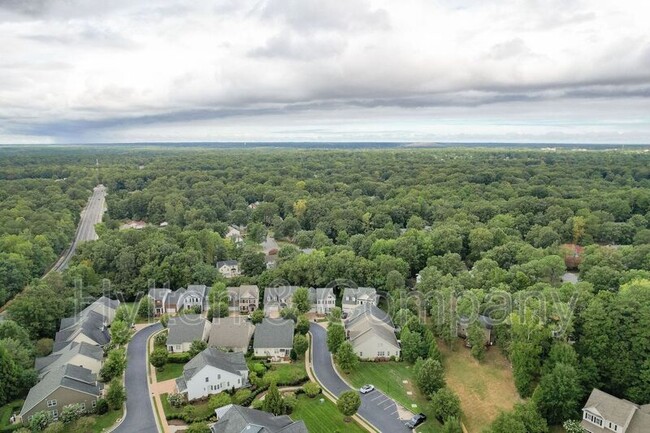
325, 70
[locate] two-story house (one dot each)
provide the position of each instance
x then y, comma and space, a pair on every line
324, 300
184, 330
211, 372
277, 298
159, 298
273, 338
353, 297
604, 413
243, 299
228, 268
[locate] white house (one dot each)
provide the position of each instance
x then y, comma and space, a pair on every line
604, 413
185, 329
353, 297
229, 268
211, 372
234, 234
371, 333
195, 295
273, 338
324, 300
277, 298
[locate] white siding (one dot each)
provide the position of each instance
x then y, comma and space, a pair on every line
217, 381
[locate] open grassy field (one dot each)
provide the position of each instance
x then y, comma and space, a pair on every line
170, 371
322, 417
484, 388
389, 377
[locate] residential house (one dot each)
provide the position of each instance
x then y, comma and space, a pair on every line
159, 297
277, 298
65, 385
485, 322
238, 419
229, 268
103, 306
185, 329
353, 297
195, 295
211, 372
91, 328
234, 234
231, 333
273, 338
81, 354
243, 299
604, 413
371, 333
324, 300
173, 302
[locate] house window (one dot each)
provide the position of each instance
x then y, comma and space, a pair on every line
83, 406
593, 419
55, 414
218, 376
207, 379
51, 403
360, 354
94, 403
380, 353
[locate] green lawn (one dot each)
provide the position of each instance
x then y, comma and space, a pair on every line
134, 306
388, 377
107, 420
322, 417
7, 410
198, 410
283, 374
171, 371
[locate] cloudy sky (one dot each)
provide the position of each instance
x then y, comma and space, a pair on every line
325, 70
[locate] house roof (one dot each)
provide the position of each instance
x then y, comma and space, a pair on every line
381, 332
238, 419
230, 332
174, 297
185, 328
199, 289
159, 294
227, 263
63, 356
244, 291
323, 292
276, 293
232, 362
485, 321
92, 325
358, 293
104, 306
613, 409
67, 376
273, 333
368, 312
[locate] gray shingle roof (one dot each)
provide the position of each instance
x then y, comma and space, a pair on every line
355, 293
68, 376
370, 311
199, 289
62, 357
238, 419
233, 362
273, 333
230, 332
185, 328
158, 294
276, 294
91, 325
227, 263
174, 297
610, 407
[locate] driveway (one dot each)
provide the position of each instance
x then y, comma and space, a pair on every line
270, 244
140, 417
378, 409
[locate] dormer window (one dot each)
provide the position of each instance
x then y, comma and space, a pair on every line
593, 419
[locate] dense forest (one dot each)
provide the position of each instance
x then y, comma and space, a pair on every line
481, 228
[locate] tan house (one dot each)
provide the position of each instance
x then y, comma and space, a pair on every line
277, 298
243, 299
273, 339
229, 268
68, 384
184, 330
82, 354
353, 297
604, 413
371, 333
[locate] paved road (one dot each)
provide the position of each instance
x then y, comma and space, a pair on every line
140, 417
91, 215
376, 407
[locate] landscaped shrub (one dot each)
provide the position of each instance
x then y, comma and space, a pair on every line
290, 402
72, 412
241, 396
101, 407
176, 400
311, 389
179, 358
219, 400
160, 340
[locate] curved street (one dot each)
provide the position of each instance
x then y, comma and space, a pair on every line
378, 409
140, 417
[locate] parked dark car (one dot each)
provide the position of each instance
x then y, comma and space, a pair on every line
416, 420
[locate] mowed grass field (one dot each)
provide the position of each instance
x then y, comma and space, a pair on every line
389, 377
484, 388
170, 371
322, 417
